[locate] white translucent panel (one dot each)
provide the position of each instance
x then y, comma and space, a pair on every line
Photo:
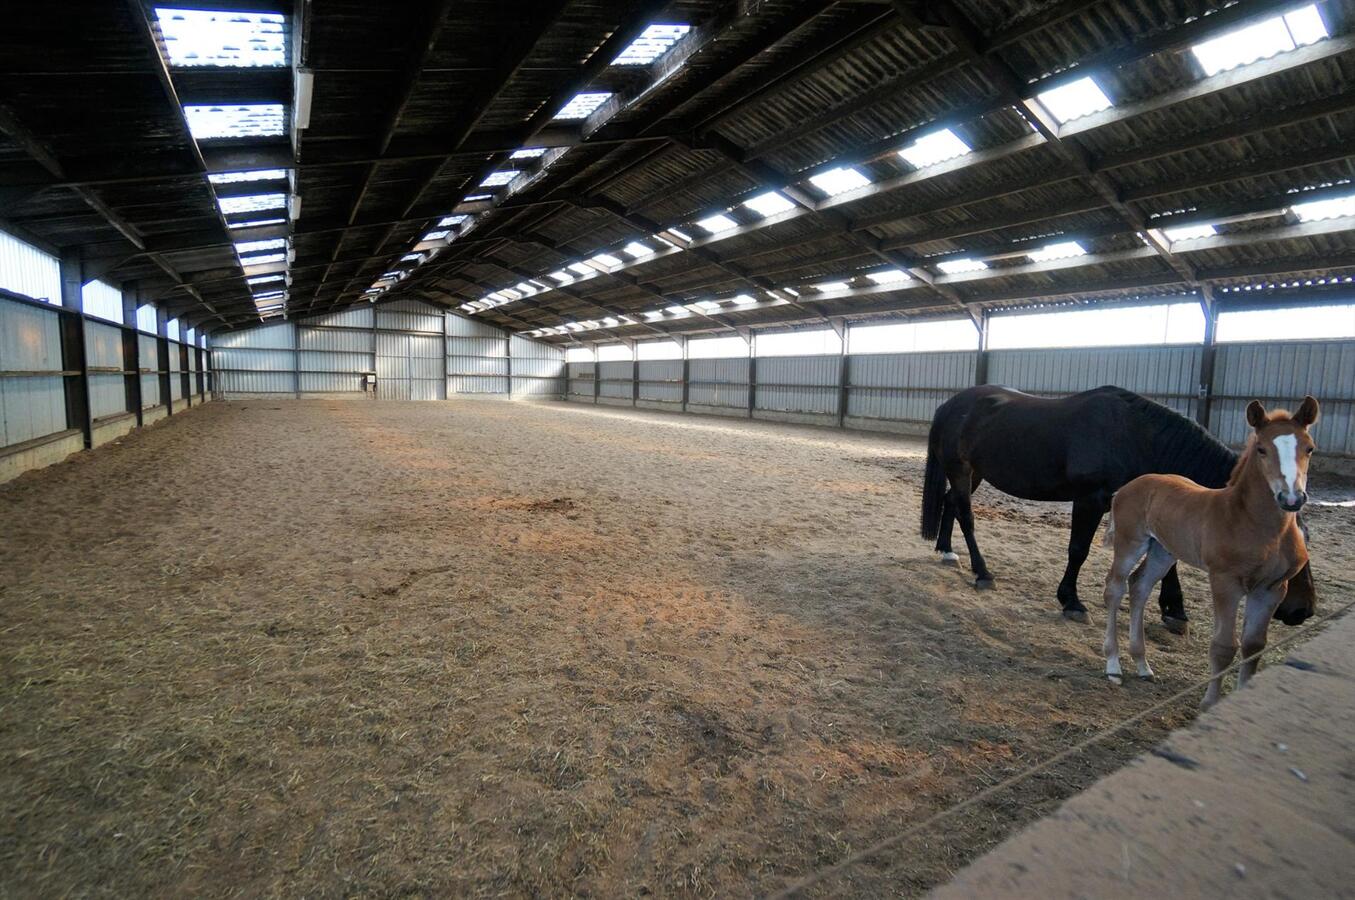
256, 223
255, 246
839, 180
828, 286
606, 261
1317, 210
578, 354
261, 258
614, 353
717, 223
172, 329
1060, 250
914, 337
265, 279
445, 221
637, 250
1189, 232
264, 296
1293, 323
888, 276
583, 105
1261, 40
24, 269
236, 121
798, 343
412, 257
1074, 100
958, 266
934, 148
769, 204
653, 42
650, 350
717, 347
145, 319
199, 37
102, 299
252, 203
255, 175
1176, 323
477, 197
436, 235
501, 177
680, 235
678, 312
562, 276
708, 306
527, 153
581, 269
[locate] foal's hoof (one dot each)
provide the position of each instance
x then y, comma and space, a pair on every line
983, 584
1076, 615
1176, 625
950, 559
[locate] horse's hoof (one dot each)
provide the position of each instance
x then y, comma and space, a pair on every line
983, 584
950, 559
1076, 615
1115, 680
1175, 625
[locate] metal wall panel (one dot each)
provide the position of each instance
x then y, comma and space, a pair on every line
804, 384
335, 339
357, 317
233, 382
246, 359
462, 326
719, 382
906, 387
24, 269
1169, 375
330, 382
348, 363
538, 369
30, 406
281, 336
661, 380
616, 380
103, 350
477, 365
1279, 374
581, 379
174, 364
477, 384
495, 347
410, 315
146, 350
150, 391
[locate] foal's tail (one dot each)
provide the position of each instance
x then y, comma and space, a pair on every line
933, 488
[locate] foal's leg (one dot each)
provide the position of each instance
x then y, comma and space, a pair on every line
961, 485
1155, 565
1260, 607
1087, 514
1228, 592
1128, 549
1172, 603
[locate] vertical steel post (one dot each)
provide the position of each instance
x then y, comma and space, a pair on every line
981, 365
843, 378
131, 351
73, 355
1207, 356
752, 372
162, 359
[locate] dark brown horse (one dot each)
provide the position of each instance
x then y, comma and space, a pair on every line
1082, 449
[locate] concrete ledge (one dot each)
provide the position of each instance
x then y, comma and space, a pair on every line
110, 428
796, 418
1255, 799
153, 414
39, 452
736, 412
888, 426
661, 405
614, 401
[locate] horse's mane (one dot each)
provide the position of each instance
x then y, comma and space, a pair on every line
1180, 445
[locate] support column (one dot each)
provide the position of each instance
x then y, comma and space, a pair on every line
752, 371
686, 372
162, 359
508, 355
843, 377
597, 375
1207, 356
131, 351
73, 357
981, 367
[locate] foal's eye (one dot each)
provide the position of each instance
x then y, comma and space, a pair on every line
1310, 451
1261, 450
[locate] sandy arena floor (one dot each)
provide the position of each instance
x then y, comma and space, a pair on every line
489, 649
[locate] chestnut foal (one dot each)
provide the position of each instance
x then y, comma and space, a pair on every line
1244, 535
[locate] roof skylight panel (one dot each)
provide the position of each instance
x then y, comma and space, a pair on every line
583, 105
1061, 250
653, 42
528, 153
1074, 100
581, 268
1318, 210
959, 266
888, 276
637, 250
255, 246
829, 286
933, 148
499, 178
251, 203
256, 223
264, 279
839, 180
236, 121
769, 204
717, 223
1189, 232
1263, 40
562, 276
436, 235
262, 258
475, 197
606, 260
256, 175
201, 37
451, 220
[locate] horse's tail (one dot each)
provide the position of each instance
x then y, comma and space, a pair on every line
933, 487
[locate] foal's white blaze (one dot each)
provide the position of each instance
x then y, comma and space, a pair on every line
1287, 449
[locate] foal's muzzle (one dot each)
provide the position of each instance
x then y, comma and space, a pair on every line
1300, 498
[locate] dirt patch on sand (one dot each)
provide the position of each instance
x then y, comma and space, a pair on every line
480, 649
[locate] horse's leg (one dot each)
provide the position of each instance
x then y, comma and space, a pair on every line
1261, 604
1128, 549
1173, 604
1227, 591
1087, 514
961, 486
1155, 565
944, 533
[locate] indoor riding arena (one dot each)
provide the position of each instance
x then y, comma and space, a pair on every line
485, 450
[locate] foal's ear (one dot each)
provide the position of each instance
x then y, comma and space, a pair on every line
1256, 414
1307, 413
